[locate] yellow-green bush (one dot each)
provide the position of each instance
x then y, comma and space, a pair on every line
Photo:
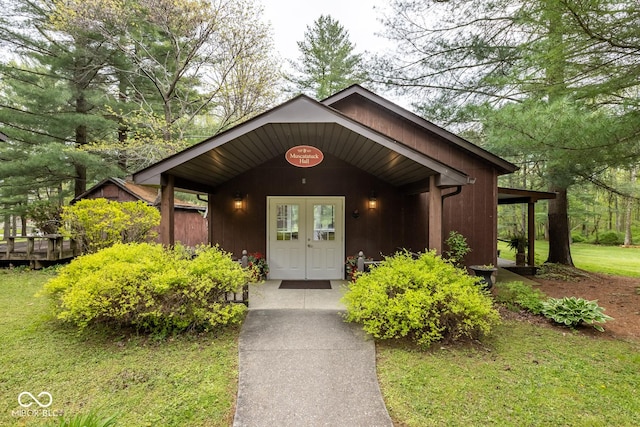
425, 299
150, 288
100, 223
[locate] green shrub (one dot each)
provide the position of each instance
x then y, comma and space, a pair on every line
45, 216
100, 223
150, 288
518, 295
572, 312
610, 238
425, 299
458, 248
578, 238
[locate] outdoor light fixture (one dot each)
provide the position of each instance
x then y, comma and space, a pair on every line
373, 201
237, 201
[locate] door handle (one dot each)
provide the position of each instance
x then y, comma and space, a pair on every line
309, 245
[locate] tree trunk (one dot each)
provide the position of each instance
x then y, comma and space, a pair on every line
122, 126
559, 236
559, 243
82, 75
80, 182
628, 237
7, 224
82, 107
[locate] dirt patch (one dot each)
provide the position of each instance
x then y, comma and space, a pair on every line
620, 296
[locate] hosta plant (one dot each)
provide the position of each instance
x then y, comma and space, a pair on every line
572, 312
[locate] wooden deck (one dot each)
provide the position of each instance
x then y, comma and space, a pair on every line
522, 270
37, 250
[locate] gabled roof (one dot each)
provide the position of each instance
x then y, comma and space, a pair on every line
143, 193
304, 121
356, 90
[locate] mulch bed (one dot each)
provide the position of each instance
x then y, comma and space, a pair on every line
619, 296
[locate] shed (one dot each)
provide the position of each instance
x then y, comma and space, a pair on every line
312, 182
190, 219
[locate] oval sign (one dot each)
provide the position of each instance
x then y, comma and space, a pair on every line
304, 156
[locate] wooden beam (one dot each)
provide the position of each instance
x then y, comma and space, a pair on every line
210, 218
435, 216
531, 233
166, 210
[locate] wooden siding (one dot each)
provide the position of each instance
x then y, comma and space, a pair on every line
374, 231
473, 213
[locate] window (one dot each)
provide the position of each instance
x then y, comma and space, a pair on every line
324, 219
287, 217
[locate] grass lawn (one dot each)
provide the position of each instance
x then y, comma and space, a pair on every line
523, 376
189, 380
595, 258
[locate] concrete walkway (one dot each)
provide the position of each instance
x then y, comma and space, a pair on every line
302, 365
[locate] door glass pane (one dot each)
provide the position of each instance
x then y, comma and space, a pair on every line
287, 217
324, 220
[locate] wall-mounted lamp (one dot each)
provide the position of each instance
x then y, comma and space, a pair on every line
373, 201
237, 201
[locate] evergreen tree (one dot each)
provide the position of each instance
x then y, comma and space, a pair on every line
93, 85
327, 63
179, 61
469, 61
51, 95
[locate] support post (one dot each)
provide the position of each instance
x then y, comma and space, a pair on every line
531, 233
166, 210
11, 244
435, 216
210, 218
60, 247
51, 247
30, 246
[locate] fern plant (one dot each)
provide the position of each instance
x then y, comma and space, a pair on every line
572, 312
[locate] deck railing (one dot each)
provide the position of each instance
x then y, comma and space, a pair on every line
50, 247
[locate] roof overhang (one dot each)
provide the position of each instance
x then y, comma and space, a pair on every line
300, 121
510, 196
502, 166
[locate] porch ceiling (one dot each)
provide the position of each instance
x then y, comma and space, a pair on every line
301, 121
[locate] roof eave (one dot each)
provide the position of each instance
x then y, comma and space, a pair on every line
503, 166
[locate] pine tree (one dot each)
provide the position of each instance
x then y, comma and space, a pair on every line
522, 67
327, 63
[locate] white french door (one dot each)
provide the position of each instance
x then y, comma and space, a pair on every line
305, 237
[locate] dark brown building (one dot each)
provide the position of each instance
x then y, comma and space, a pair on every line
310, 183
